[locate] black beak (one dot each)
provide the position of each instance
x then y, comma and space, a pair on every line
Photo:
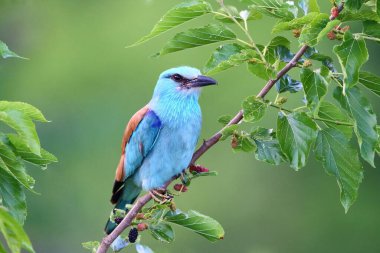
201, 81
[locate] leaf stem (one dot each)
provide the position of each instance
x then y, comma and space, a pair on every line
245, 30
365, 36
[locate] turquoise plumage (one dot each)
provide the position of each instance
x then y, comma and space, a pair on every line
160, 139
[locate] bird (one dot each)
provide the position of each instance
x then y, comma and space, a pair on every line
160, 138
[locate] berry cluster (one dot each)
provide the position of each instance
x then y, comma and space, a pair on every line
180, 187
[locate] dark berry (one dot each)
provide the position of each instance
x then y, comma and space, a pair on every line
180, 187
118, 220
133, 234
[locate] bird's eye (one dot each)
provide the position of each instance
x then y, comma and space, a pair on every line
177, 77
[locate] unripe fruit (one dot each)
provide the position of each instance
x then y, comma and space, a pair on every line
133, 234
142, 226
180, 187
334, 12
296, 33
197, 169
331, 35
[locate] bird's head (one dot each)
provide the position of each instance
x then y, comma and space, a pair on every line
181, 81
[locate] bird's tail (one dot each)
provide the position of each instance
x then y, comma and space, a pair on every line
126, 194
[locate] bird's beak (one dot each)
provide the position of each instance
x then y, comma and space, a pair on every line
201, 81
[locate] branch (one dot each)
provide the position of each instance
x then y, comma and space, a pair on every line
207, 144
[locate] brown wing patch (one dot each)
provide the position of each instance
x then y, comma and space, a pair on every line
119, 177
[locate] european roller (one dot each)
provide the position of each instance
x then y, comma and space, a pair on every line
159, 140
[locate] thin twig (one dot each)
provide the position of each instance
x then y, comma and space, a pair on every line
207, 144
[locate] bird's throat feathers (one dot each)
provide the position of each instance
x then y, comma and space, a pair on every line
176, 108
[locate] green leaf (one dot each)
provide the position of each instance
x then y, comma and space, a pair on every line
197, 37
315, 87
14, 166
286, 83
296, 132
24, 152
253, 109
275, 8
330, 111
371, 28
162, 232
93, 246
227, 56
25, 108
278, 49
360, 109
296, 23
363, 14
353, 4
261, 70
242, 142
371, 81
176, 16
252, 15
228, 131
268, 148
378, 141
313, 32
13, 233
309, 6
352, 54
6, 53
205, 174
20, 116
197, 222
225, 119
12, 195
340, 159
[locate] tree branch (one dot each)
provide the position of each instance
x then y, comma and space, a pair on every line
207, 144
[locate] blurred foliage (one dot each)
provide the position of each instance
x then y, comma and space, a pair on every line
82, 77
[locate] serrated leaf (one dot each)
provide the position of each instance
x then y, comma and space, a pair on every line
261, 70
371, 81
278, 49
24, 152
253, 109
309, 6
352, 54
14, 166
296, 132
25, 108
360, 109
13, 233
330, 111
310, 34
162, 232
228, 131
227, 56
176, 16
197, 222
268, 149
296, 23
275, 8
315, 87
286, 83
340, 159
353, 4
5, 52
252, 15
363, 14
196, 37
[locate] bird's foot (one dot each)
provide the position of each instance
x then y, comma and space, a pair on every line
161, 196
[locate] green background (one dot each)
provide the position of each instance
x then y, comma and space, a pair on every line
86, 82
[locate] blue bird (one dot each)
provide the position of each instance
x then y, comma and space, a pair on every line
159, 140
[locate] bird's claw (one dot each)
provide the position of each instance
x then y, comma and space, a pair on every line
161, 196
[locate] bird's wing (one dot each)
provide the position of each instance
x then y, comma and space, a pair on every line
138, 139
